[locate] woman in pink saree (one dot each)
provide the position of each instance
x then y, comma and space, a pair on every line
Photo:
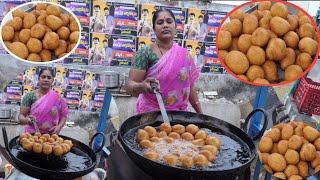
44, 105
167, 64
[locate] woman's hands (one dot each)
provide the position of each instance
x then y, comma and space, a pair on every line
56, 129
145, 85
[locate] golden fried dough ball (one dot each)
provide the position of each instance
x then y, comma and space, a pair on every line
145, 144
280, 175
234, 27
151, 131
27, 145
16, 23
199, 142
34, 45
293, 20
304, 19
174, 135
59, 140
254, 72
7, 33
200, 160
29, 20
50, 40
264, 5
34, 57
261, 81
265, 23
308, 45
208, 155
37, 148
303, 169
304, 60
299, 130
258, 14
295, 177
155, 139
223, 54
169, 139
250, 23
201, 135
243, 77
291, 39
274, 134
165, 127
260, 37
152, 155
64, 33
191, 128
32, 140
277, 162
268, 168
40, 141
187, 136
55, 136
291, 170
18, 13
316, 143
57, 150
41, 6
24, 35
162, 134
289, 59
315, 37
307, 152
186, 161
65, 19
73, 26
276, 49
234, 44
53, 10
310, 133
265, 145
292, 72
279, 9
51, 140
178, 128
270, 70
256, 55
71, 46
213, 140
28, 135
45, 55
237, 62
46, 149
272, 34
211, 148
65, 147
306, 30
62, 48
292, 157
37, 31
224, 40
244, 42
53, 22
19, 49
142, 135
286, 132
170, 159
316, 161
279, 26
238, 14
295, 142
300, 13
263, 157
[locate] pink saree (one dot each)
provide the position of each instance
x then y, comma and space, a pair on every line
48, 110
176, 73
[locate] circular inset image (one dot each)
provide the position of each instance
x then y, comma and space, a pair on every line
271, 44
39, 32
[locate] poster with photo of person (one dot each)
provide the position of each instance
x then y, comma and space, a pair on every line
144, 41
59, 91
211, 60
81, 8
13, 94
60, 79
86, 102
75, 79
72, 99
100, 52
30, 77
98, 22
125, 18
214, 20
124, 48
180, 16
82, 49
197, 50
90, 82
145, 27
195, 29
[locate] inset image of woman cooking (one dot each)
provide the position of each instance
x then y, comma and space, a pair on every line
44, 106
166, 63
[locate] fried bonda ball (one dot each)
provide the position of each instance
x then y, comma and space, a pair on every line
291, 39
292, 72
274, 134
304, 19
234, 27
19, 49
53, 22
155, 139
169, 139
308, 45
73, 26
200, 160
289, 59
165, 127
243, 77
16, 23
7, 33
18, 13
178, 128
65, 19
268, 168
286, 132
53, 10
174, 135
142, 135
201, 135
270, 70
27, 145
37, 148
238, 14
24, 35
292, 157
265, 145
276, 49
277, 162
279, 9
45, 55
34, 57
64, 33
223, 54
191, 128
152, 155
264, 5
280, 175
310, 133
29, 20
307, 152
224, 39
250, 23
34, 45
260, 37
151, 131
187, 136
162, 134
199, 142
316, 144
293, 20
170, 159
303, 169
295, 142
265, 23
256, 55
244, 42
255, 72
50, 40
146, 144
46, 149
316, 161
295, 177
209, 155
57, 150
37, 31
211, 148
186, 161
213, 140
306, 30
62, 48
263, 157
304, 60
237, 62
291, 170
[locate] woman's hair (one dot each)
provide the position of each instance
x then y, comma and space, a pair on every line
43, 69
156, 14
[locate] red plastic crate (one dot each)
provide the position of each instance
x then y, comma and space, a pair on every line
307, 96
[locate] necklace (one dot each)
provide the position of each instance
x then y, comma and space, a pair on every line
159, 49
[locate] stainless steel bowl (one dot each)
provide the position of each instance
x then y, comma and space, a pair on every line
109, 78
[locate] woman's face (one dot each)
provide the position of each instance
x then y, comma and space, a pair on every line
45, 79
165, 26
